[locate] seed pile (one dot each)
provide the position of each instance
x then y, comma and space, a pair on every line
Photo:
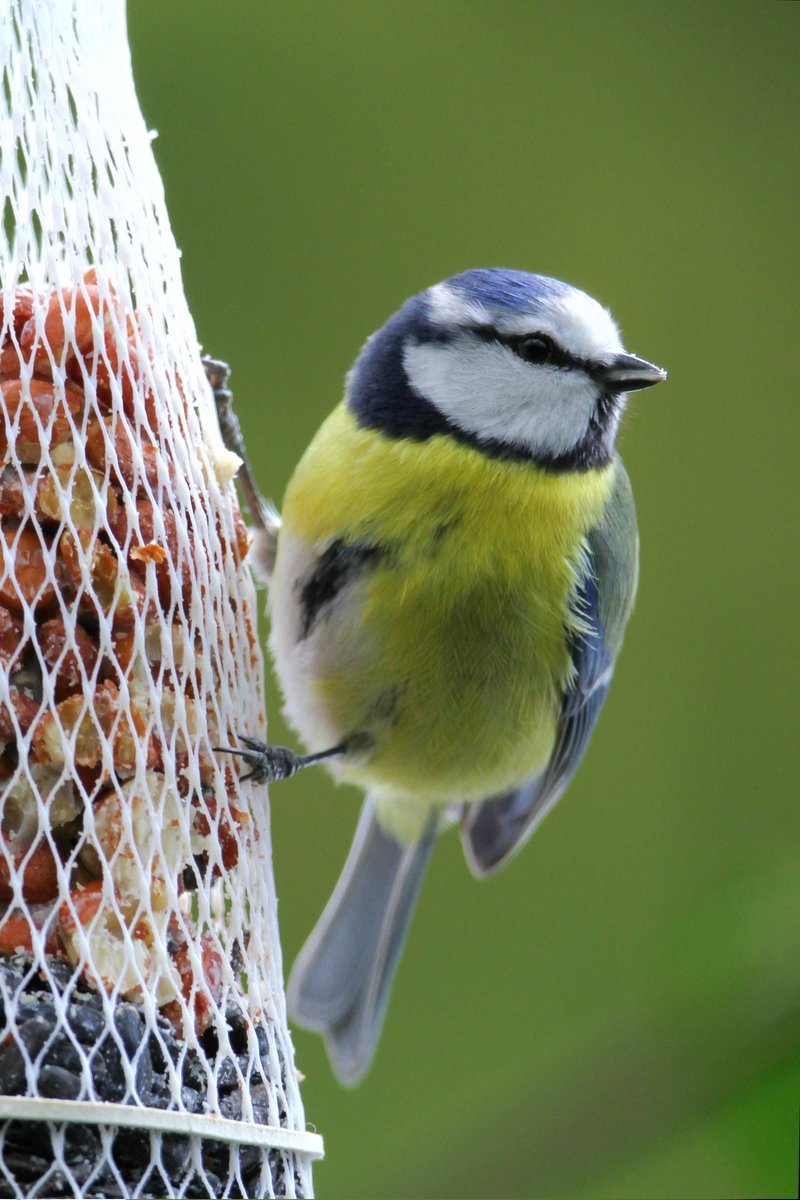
53, 1056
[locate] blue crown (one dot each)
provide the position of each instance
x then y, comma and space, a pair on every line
499, 287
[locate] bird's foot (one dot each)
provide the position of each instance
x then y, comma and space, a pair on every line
268, 763
217, 374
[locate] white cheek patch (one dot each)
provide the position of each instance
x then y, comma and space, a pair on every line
487, 391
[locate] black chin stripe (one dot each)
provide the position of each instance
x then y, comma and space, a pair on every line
417, 420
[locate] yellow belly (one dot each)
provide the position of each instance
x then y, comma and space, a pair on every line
451, 654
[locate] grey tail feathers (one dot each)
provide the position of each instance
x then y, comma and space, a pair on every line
340, 983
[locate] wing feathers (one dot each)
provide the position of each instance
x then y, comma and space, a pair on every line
496, 828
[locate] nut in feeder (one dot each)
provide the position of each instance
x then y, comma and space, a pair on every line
144, 1042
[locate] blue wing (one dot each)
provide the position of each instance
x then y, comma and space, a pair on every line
495, 828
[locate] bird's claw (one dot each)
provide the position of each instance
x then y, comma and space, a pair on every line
217, 371
267, 763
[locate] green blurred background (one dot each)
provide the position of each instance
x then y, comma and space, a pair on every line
615, 1015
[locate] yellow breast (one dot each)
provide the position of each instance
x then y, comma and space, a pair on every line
453, 645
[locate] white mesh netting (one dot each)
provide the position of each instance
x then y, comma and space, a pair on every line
139, 961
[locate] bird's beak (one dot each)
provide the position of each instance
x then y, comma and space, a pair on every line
627, 373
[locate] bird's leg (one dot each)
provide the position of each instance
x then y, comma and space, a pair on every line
268, 764
217, 374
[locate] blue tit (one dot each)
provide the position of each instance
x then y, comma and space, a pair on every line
455, 566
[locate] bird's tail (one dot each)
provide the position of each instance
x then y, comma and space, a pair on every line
340, 983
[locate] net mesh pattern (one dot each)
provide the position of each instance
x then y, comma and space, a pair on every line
139, 954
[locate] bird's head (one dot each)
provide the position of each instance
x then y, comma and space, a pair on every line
520, 366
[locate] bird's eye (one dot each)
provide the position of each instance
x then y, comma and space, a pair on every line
535, 348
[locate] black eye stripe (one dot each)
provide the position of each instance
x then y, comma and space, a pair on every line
559, 357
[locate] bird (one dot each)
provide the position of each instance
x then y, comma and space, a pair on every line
451, 576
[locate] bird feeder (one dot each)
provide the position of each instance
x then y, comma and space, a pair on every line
143, 1041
